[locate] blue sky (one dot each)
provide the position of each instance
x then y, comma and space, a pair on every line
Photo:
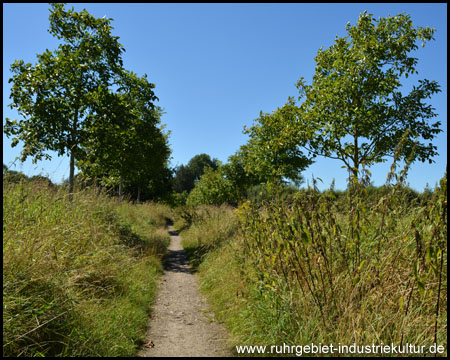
216, 66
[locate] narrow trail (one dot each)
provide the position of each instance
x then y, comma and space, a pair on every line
180, 323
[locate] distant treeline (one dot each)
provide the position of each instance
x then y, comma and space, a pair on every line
175, 190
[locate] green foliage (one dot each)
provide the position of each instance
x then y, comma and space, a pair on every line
205, 228
128, 142
264, 192
235, 172
212, 189
330, 269
56, 96
354, 110
13, 176
177, 199
187, 175
78, 277
273, 150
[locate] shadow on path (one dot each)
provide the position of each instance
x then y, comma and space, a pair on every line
181, 323
176, 260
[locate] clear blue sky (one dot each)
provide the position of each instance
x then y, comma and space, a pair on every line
216, 66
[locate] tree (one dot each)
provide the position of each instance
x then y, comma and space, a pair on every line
212, 189
183, 179
273, 151
56, 96
187, 175
151, 173
128, 144
234, 171
354, 110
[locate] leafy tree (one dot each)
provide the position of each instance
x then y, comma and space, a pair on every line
272, 152
354, 110
183, 179
151, 173
212, 189
128, 146
235, 172
56, 96
187, 175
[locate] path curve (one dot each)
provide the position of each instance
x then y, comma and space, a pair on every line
180, 323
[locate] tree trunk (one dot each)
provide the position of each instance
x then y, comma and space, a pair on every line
72, 154
356, 156
71, 176
138, 195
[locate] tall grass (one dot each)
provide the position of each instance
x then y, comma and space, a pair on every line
317, 269
78, 277
207, 227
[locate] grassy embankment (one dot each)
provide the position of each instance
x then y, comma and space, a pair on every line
320, 269
78, 277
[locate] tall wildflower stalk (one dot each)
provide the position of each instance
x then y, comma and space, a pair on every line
365, 269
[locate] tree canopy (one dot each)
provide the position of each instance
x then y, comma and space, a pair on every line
212, 189
187, 175
273, 151
354, 110
128, 146
57, 94
79, 100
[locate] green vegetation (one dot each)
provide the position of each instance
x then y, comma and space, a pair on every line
128, 148
206, 228
367, 265
186, 175
355, 109
212, 189
78, 277
273, 152
321, 269
79, 100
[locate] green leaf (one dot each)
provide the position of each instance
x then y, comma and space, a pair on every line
421, 288
428, 255
361, 265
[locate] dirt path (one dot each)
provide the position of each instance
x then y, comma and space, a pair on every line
180, 324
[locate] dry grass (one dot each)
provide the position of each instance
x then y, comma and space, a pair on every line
78, 276
319, 270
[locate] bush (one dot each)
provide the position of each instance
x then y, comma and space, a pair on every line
212, 189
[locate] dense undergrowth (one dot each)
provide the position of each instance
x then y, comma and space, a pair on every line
78, 277
322, 267
206, 228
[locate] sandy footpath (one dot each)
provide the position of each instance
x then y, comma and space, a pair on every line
180, 323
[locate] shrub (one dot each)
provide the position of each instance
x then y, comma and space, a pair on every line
212, 189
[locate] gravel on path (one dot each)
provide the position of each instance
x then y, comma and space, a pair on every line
180, 323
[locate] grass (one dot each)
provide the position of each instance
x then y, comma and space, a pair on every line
207, 228
78, 277
320, 270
